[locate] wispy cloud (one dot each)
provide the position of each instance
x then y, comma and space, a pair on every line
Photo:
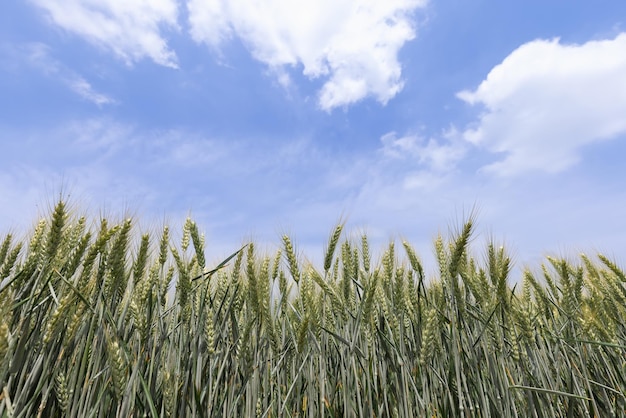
38, 56
130, 29
438, 155
546, 101
353, 45
427, 163
81, 87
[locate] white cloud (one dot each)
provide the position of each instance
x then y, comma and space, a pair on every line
131, 29
437, 155
39, 57
81, 87
547, 100
352, 44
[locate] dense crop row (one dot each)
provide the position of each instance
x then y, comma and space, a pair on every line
88, 327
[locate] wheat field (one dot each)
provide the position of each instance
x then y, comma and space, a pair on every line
99, 319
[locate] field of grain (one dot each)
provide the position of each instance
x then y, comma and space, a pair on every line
98, 318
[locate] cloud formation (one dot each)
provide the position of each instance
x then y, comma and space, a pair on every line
352, 44
438, 155
130, 29
38, 56
547, 100
427, 162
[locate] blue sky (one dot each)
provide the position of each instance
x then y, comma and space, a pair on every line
260, 118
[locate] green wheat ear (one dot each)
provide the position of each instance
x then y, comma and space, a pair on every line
4, 339
9, 263
62, 392
613, 267
141, 261
291, 258
186, 238
332, 244
118, 368
4, 248
59, 217
164, 245
365, 252
198, 244
460, 248
209, 332
429, 335
33, 260
253, 288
